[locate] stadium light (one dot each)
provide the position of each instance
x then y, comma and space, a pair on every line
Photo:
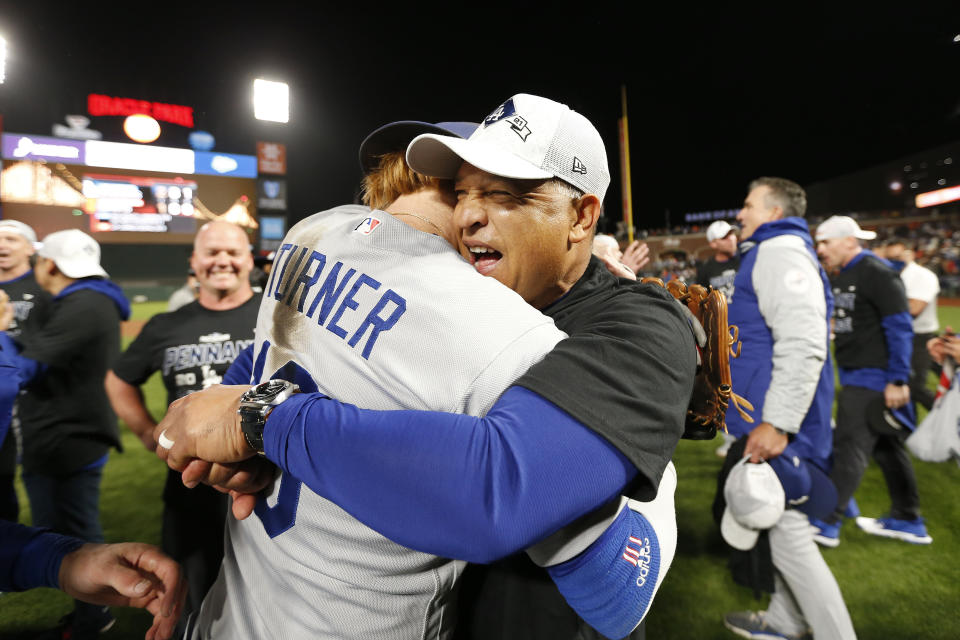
3, 59
271, 100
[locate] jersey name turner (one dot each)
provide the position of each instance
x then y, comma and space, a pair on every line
295, 284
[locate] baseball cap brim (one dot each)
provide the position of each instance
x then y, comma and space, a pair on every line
73, 269
395, 136
899, 422
860, 235
737, 535
842, 227
441, 156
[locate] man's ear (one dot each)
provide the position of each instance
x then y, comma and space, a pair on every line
587, 209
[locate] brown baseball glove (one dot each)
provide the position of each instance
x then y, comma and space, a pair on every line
717, 342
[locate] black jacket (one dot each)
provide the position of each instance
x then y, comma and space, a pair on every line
67, 419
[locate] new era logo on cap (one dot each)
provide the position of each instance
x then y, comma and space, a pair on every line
526, 138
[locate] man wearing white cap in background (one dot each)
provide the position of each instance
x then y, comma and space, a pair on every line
873, 342
721, 268
68, 425
782, 307
17, 244
441, 490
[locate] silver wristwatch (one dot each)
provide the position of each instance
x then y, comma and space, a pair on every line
256, 404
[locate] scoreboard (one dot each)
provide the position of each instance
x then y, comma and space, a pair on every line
124, 193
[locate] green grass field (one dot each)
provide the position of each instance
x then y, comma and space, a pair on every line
893, 590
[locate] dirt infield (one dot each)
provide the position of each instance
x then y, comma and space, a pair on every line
949, 302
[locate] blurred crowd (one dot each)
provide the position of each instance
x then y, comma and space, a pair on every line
935, 243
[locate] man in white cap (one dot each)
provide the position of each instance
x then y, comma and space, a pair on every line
526, 206
17, 245
720, 269
873, 342
68, 425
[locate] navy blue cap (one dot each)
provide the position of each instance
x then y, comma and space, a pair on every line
397, 135
891, 422
807, 487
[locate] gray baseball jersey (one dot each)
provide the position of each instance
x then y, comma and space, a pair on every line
377, 314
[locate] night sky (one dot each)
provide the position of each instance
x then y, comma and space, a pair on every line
716, 96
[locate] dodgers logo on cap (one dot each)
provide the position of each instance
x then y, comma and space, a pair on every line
507, 111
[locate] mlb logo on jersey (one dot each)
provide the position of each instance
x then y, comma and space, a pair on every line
368, 225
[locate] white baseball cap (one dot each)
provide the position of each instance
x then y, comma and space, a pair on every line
842, 227
719, 229
755, 501
527, 138
20, 228
76, 254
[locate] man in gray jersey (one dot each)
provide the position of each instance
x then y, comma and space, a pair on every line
332, 570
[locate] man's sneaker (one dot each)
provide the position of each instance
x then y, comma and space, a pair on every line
826, 534
912, 531
852, 510
753, 624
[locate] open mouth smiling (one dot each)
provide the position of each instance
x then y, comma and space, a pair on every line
484, 259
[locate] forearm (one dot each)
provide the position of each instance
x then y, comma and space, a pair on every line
791, 299
898, 332
31, 558
456, 486
793, 383
127, 402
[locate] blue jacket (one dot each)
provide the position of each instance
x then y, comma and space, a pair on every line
804, 397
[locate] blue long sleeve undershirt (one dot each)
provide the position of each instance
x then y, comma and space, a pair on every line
898, 330
31, 557
28, 370
240, 371
452, 485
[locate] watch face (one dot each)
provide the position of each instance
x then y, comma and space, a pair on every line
271, 388
268, 392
